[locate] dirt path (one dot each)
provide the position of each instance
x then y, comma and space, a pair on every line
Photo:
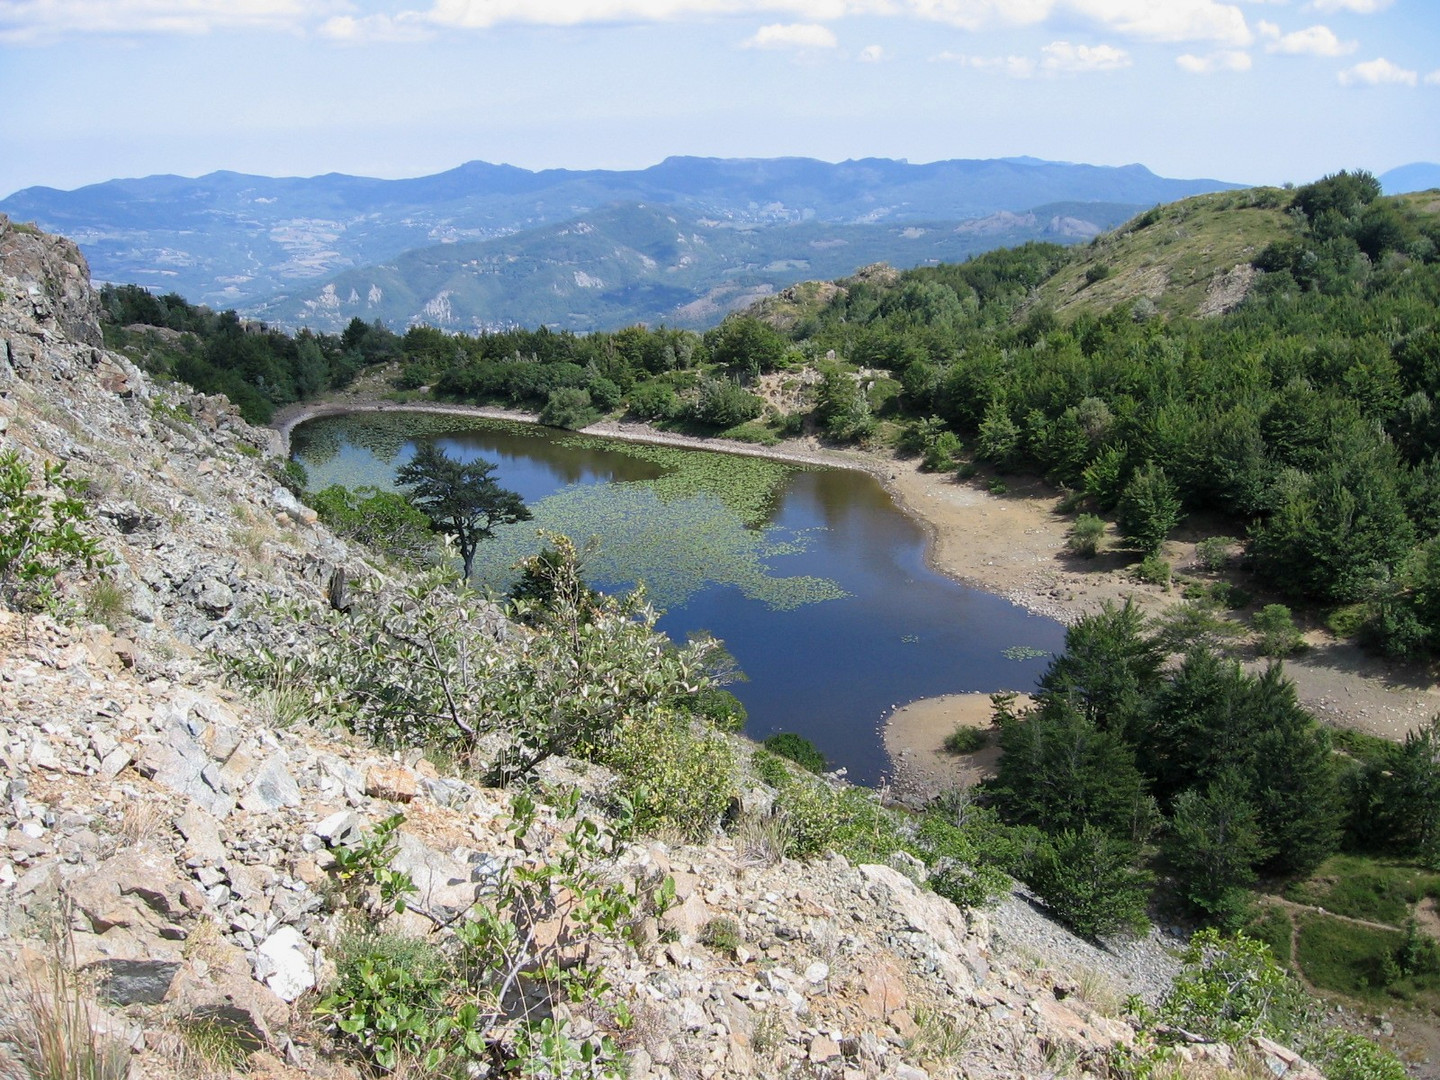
1013, 544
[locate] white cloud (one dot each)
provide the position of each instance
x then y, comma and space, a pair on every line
1359, 7
792, 36
1433, 79
1057, 58
367, 29
1017, 67
872, 54
1378, 72
1172, 21
1224, 60
1062, 56
1217, 23
1152, 20
1312, 41
23, 21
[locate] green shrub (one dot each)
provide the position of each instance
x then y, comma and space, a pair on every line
964, 866
798, 749
719, 706
770, 769
1153, 570
1096, 272
382, 520
941, 452
1231, 988
1213, 553
724, 404
1149, 509
569, 407
655, 400
722, 934
1091, 882
850, 821
1085, 535
400, 1002
966, 740
678, 776
40, 535
1279, 636
1348, 621
416, 667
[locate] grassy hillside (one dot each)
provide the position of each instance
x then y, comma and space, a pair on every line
1181, 257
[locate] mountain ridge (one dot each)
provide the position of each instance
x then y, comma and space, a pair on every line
231, 239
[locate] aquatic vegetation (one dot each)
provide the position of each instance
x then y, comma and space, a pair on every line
701, 520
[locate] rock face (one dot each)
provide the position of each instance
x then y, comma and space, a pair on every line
178, 839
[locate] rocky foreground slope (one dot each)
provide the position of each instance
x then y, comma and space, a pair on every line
181, 845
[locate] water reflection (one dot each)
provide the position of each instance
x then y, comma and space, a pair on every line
829, 670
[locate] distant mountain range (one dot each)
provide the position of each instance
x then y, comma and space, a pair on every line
1417, 176
644, 262
295, 249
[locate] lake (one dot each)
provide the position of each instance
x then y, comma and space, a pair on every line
813, 578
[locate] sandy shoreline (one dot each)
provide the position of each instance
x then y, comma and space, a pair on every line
915, 737
1011, 544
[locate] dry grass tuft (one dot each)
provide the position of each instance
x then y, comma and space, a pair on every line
56, 1028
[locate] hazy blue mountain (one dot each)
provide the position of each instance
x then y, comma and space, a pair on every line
1417, 176
229, 239
649, 262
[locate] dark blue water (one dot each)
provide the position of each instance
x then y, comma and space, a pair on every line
832, 670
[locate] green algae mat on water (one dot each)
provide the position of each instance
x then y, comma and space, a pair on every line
676, 519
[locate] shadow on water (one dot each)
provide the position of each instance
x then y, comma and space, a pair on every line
829, 670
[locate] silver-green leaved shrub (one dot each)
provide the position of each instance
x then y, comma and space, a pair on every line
423, 665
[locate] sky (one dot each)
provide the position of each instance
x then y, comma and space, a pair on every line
1254, 91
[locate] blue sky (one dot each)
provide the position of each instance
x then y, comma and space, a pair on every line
1259, 91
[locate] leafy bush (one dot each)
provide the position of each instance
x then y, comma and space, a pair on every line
1149, 508
1153, 570
678, 779
965, 867
1279, 635
416, 667
720, 707
942, 452
569, 407
1213, 553
770, 769
439, 1004
966, 740
725, 404
40, 535
1231, 988
1089, 879
655, 400
850, 821
382, 520
798, 749
1085, 535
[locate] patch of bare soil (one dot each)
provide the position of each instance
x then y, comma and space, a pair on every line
915, 737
